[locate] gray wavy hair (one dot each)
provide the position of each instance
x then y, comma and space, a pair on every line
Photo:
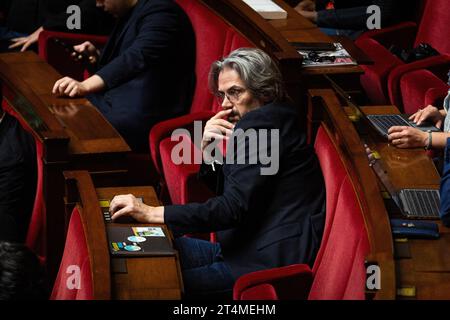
256, 69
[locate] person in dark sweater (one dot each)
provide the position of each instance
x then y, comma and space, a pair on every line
268, 214
345, 17
18, 178
26, 19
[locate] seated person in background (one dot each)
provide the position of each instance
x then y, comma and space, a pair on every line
445, 188
263, 220
26, 19
21, 275
18, 178
146, 71
344, 17
409, 137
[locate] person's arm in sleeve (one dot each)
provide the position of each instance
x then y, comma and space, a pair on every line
244, 184
445, 188
353, 18
156, 37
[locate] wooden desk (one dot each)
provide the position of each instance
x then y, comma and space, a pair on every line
73, 133
137, 278
296, 28
422, 266
427, 269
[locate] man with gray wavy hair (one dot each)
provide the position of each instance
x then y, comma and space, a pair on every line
262, 221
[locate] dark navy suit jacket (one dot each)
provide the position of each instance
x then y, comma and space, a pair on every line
148, 68
263, 221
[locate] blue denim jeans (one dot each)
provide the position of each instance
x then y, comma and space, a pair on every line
205, 275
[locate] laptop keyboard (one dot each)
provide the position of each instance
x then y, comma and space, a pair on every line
421, 203
384, 122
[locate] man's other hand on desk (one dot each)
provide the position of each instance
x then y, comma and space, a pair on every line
68, 87
307, 9
128, 205
407, 137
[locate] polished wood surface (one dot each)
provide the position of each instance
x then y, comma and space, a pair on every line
73, 132
422, 267
155, 277
296, 28
427, 270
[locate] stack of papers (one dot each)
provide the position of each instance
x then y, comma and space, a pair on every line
267, 9
338, 57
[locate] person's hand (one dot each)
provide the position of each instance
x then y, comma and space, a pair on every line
429, 113
86, 47
306, 5
25, 42
70, 88
217, 128
310, 15
128, 205
370, 155
407, 137
66, 111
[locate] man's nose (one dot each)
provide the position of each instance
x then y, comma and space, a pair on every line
226, 103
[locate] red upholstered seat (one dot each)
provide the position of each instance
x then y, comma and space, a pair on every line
214, 40
420, 88
75, 255
35, 239
339, 271
382, 80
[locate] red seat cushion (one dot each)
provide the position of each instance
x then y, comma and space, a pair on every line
414, 86
35, 238
181, 179
334, 172
374, 79
341, 272
75, 256
433, 28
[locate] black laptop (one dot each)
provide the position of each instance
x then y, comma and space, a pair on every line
382, 122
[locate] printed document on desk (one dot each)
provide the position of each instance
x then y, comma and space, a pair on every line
338, 57
267, 9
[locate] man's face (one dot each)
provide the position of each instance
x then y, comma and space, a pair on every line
235, 95
117, 8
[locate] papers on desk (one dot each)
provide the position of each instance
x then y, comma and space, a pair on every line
317, 58
267, 9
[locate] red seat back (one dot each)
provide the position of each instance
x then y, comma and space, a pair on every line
35, 239
339, 271
434, 26
214, 40
75, 263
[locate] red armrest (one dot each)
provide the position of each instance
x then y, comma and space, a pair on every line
260, 292
290, 283
439, 64
45, 36
402, 35
164, 129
